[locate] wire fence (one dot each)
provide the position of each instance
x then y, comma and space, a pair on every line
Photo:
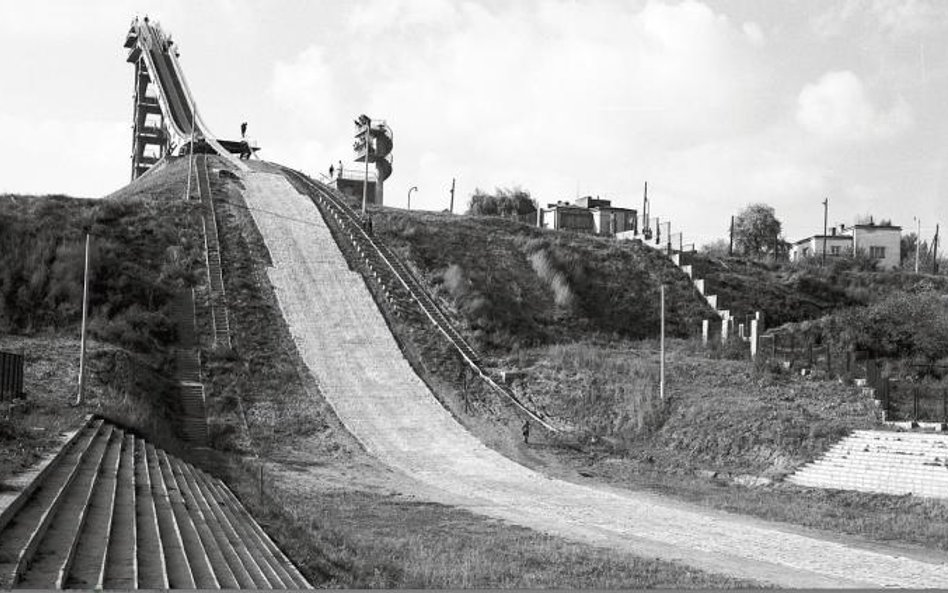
903, 399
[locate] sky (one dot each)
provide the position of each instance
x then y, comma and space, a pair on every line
717, 104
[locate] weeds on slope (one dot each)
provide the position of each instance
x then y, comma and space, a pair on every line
724, 423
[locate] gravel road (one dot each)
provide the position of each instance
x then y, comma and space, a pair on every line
346, 344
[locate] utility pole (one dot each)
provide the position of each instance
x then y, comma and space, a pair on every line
645, 209
411, 189
661, 372
365, 182
82, 337
187, 195
935, 252
918, 240
825, 213
730, 247
452, 196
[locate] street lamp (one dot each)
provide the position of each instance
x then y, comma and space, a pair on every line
413, 188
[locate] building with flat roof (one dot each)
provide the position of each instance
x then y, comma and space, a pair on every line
878, 241
589, 215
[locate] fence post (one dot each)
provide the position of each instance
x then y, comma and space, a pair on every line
944, 409
705, 330
724, 327
915, 406
753, 339
829, 360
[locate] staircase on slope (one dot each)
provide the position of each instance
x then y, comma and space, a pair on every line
699, 285
188, 371
218, 302
882, 461
114, 512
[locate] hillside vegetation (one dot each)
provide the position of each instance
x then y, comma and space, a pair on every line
801, 291
513, 285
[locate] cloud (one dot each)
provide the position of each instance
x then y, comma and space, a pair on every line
838, 107
546, 94
306, 86
55, 156
896, 18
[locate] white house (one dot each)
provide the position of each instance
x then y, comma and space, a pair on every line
881, 242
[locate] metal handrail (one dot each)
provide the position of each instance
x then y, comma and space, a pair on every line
453, 339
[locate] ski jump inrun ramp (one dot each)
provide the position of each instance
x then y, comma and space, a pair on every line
346, 344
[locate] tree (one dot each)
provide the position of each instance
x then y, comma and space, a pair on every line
716, 248
505, 201
757, 231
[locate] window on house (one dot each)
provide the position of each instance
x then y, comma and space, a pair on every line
876, 252
835, 250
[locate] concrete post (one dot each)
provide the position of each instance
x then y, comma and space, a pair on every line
740, 331
753, 339
705, 329
725, 325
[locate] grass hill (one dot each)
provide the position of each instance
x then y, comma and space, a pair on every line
514, 285
798, 292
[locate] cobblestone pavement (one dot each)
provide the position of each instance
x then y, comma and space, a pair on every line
346, 344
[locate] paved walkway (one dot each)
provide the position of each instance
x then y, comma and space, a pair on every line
346, 344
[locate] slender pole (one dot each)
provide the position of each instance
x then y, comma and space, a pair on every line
825, 218
918, 240
451, 209
365, 181
187, 195
730, 247
413, 188
645, 208
935, 252
661, 376
82, 335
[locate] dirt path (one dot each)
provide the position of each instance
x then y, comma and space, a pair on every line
346, 344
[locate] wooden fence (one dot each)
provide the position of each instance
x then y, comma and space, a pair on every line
11, 376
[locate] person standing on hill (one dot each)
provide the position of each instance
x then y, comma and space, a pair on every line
243, 130
526, 431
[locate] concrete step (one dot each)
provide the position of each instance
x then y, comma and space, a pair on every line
51, 550
22, 534
152, 571
881, 461
119, 569
177, 563
92, 542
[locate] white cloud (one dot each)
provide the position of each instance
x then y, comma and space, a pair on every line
545, 95
55, 156
897, 18
754, 33
838, 107
305, 86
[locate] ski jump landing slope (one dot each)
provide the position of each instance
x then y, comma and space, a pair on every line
346, 344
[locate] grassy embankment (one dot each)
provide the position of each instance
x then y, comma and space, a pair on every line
143, 250
329, 504
722, 424
797, 292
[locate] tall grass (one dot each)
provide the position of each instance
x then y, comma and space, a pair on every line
603, 393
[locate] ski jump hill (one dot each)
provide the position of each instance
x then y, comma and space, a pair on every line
348, 348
